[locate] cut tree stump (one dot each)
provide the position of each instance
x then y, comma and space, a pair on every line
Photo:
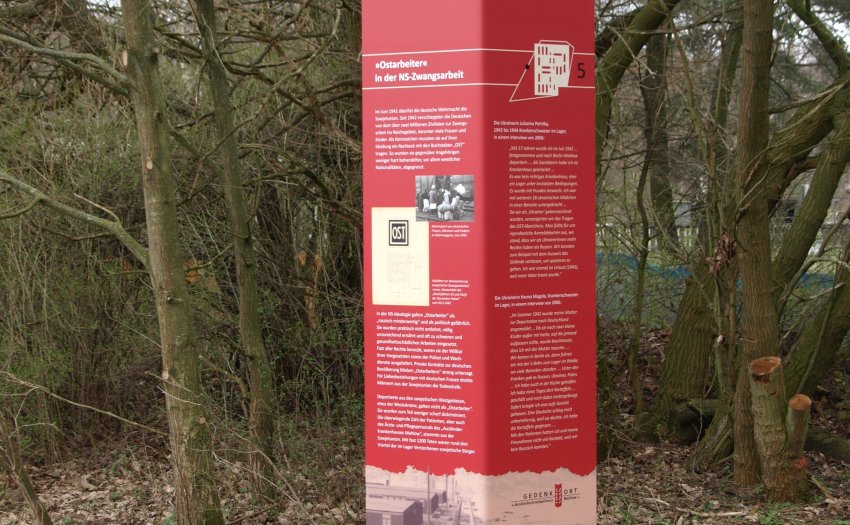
797, 423
780, 430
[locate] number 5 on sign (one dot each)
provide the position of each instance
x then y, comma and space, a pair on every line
583, 70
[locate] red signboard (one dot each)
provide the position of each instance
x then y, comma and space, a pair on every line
479, 214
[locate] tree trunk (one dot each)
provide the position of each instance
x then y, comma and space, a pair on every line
797, 424
654, 90
262, 408
759, 327
759, 323
814, 353
10, 461
655, 171
720, 223
197, 501
688, 352
730, 55
691, 336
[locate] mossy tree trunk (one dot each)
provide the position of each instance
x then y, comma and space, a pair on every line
687, 357
797, 242
788, 148
814, 353
262, 409
197, 500
626, 37
655, 174
654, 91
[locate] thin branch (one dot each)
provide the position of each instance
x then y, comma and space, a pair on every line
113, 227
212, 261
67, 60
118, 89
7, 37
40, 388
20, 212
243, 388
99, 207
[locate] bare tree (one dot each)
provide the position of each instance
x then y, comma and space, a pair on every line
262, 404
197, 499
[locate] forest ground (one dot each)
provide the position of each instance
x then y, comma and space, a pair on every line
126, 479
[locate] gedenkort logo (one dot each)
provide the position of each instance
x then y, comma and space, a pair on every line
557, 496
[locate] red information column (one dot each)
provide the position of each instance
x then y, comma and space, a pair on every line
479, 215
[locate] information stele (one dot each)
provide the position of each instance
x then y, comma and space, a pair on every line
479, 222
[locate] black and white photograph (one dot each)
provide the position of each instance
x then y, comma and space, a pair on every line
416, 498
445, 198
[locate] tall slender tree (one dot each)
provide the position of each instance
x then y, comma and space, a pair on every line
197, 500
262, 404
